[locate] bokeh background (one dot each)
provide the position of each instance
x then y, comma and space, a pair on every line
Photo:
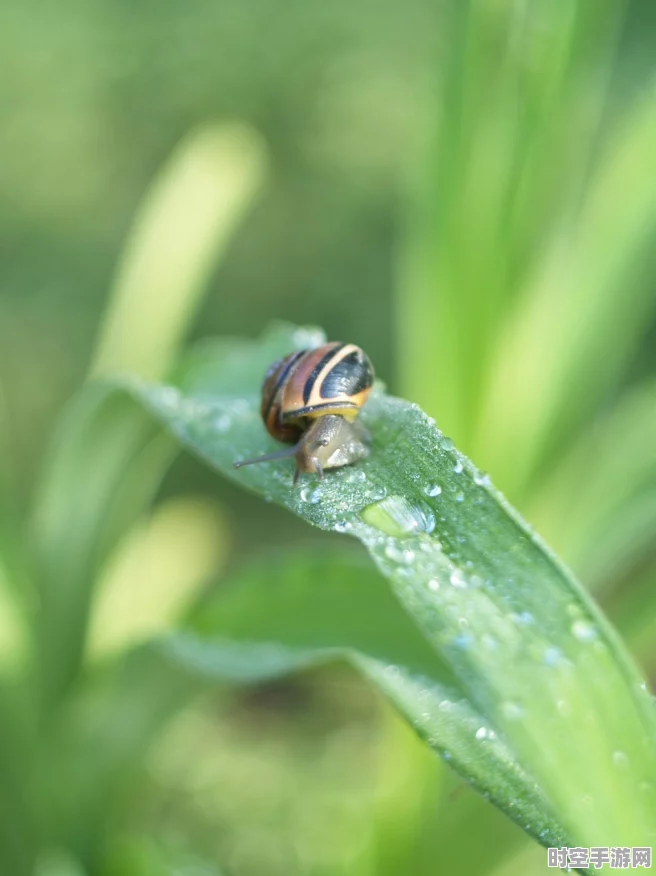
465, 190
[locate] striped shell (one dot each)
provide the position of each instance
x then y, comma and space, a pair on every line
332, 379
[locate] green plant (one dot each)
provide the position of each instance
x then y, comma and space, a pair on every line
470, 628
538, 688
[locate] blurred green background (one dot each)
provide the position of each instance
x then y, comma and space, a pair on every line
465, 190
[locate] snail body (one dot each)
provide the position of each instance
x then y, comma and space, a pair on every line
310, 398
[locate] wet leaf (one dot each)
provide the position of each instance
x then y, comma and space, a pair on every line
533, 656
288, 613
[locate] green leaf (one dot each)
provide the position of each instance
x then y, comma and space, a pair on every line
595, 274
282, 615
104, 464
634, 609
99, 742
183, 227
17, 823
611, 515
516, 123
532, 654
58, 864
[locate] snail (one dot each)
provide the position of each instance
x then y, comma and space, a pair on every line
311, 398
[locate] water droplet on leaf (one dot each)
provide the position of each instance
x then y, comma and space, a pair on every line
222, 423
620, 759
397, 517
399, 555
512, 711
552, 655
432, 489
311, 495
584, 631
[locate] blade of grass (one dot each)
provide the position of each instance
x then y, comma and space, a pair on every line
97, 744
184, 226
533, 654
156, 572
634, 609
427, 815
607, 520
519, 107
277, 617
17, 823
100, 437
583, 312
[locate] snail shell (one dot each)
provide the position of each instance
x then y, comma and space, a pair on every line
310, 398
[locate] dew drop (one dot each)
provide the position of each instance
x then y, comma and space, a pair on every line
311, 495
308, 338
525, 618
463, 641
240, 407
458, 467
168, 396
481, 733
342, 526
584, 631
457, 579
460, 497
552, 655
396, 516
427, 520
512, 711
432, 489
620, 759
222, 423
433, 584
399, 555
482, 479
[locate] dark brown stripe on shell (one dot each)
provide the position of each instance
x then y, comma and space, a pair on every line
350, 376
316, 371
282, 378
